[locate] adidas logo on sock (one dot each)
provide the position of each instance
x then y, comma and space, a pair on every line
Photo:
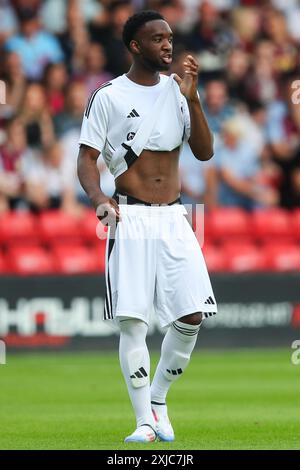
175, 372
209, 314
139, 374
133, 113
209, 301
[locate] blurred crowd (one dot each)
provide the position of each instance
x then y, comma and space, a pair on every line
54, 53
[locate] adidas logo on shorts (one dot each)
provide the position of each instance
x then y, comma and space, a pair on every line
209, 301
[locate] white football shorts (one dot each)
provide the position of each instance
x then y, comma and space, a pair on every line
153, 259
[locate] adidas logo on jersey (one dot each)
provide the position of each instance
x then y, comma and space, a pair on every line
133, 113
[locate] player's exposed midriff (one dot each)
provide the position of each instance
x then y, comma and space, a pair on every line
153, 177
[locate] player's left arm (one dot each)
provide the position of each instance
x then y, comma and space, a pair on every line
201, 138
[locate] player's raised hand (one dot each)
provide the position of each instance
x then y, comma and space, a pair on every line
108, 212
189, 84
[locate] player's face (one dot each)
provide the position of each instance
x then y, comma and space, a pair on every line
155, 42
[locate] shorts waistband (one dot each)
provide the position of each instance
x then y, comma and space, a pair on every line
122, 198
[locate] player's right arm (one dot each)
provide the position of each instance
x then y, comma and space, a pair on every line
92, 141
106, 208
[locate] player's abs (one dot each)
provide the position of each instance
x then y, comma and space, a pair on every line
154, 177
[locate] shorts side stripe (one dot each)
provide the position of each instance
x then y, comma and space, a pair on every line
108, 312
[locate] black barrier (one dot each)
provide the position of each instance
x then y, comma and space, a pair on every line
65, 312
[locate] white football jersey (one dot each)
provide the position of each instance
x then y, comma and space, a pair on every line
116, 109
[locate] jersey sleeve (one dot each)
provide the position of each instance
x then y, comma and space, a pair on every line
95, 122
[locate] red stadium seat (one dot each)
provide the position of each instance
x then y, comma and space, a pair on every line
200, 225
214, 258
99, 253
91, 228
29, 260
207, 229
272, 224
244, 257
295, 224
18, 227
229, 223
283, 257
74, 259
58, 227
3, 265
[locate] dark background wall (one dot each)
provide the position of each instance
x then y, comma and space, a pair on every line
45, 312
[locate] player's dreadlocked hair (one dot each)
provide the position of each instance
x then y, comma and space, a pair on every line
135, 22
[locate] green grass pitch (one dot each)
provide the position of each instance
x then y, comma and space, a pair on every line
225, 400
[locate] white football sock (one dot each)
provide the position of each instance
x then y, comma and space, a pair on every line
135, 365
176, 350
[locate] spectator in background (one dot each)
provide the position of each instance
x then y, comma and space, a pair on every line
246, 23
173, 11
211, 38
71, 117
261, 83
75, 39
255, 125
11, 152
292, 197
275, 28
195, 179
236, 73
53, 12
35, 46
94, 73
8, 21
283, 123
240, 171
50, 181
292, 13
216, 104
35, 116
256, 128
55, 85
13, 76
110, 36
192, 6
283, 127
21, 5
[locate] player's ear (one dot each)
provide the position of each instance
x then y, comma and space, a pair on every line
134, 47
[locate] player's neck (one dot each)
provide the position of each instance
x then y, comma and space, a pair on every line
141, 76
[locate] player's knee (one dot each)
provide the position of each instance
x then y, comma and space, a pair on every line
133, 327
192, 319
